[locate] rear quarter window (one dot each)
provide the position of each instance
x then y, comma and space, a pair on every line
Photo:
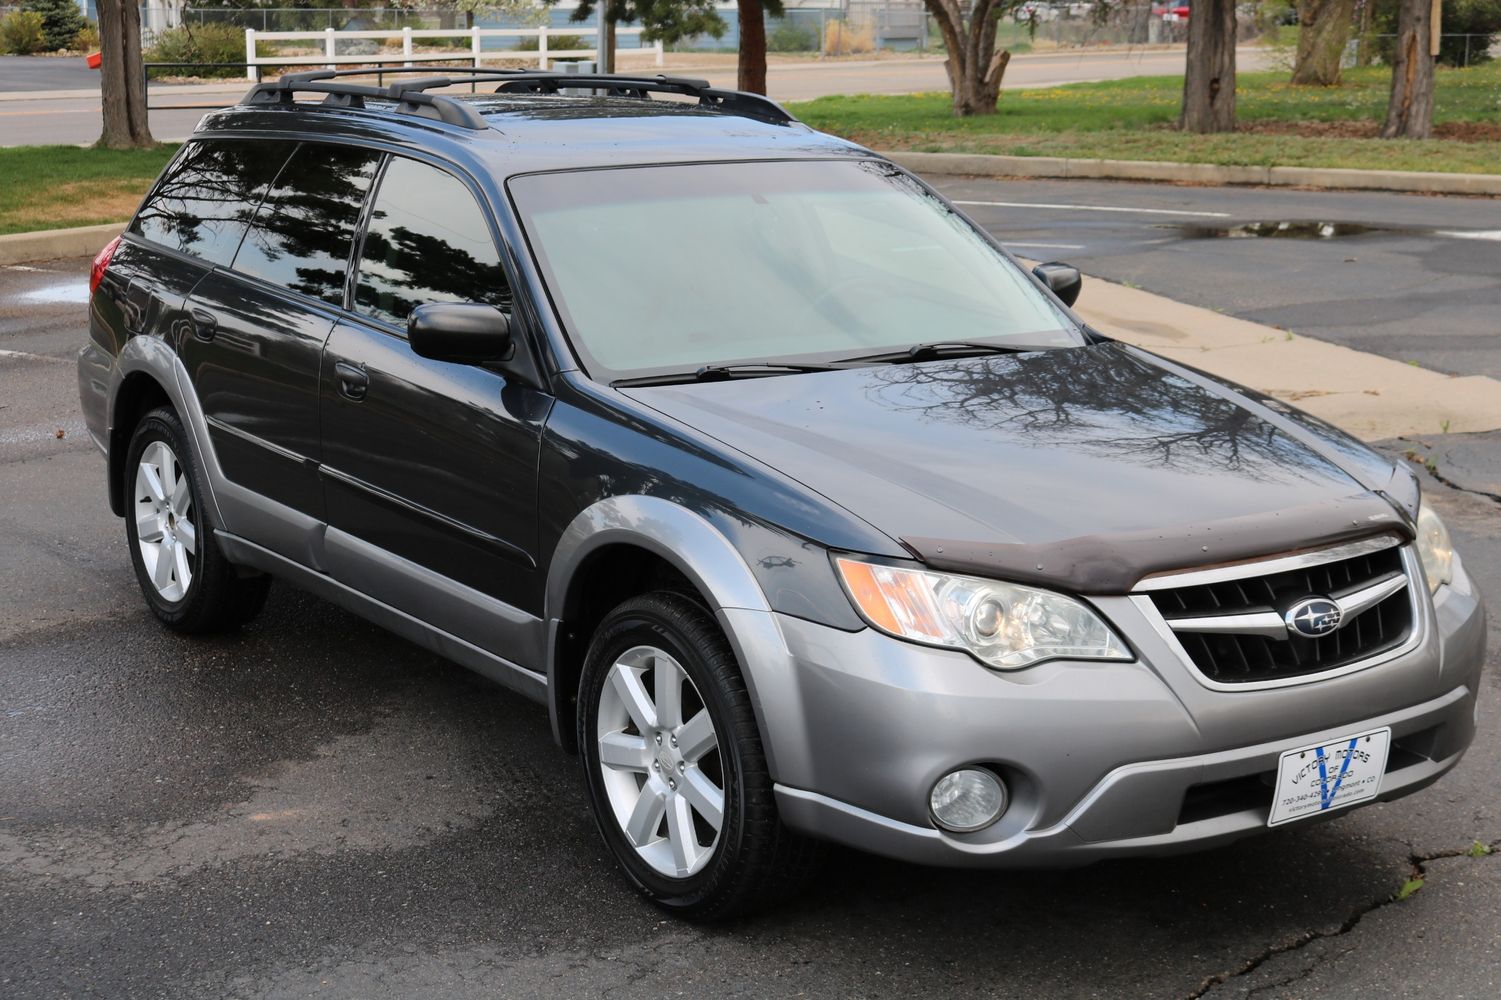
302, 236
205, 201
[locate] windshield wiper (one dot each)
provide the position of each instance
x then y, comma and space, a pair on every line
723, 373
940, 349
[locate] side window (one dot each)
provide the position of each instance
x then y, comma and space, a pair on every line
427, 242
204, 204
302, 235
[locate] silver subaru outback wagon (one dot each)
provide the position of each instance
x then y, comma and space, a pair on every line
808, 512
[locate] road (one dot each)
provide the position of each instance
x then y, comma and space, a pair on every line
312, 807
72, 116
1408, 277
32, 73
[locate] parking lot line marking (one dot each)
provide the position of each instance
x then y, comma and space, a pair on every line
1470, 234
1048, 246
1096, 208
26, 356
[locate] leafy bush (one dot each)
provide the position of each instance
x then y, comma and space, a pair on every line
842, 39
201, 43
87, 39
21, 33
61, 20
1478, 19
560, 43
789, 36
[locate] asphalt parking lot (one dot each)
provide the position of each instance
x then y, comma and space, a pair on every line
313, 808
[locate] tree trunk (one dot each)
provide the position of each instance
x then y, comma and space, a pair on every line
606, 54
1209, 77
974, 67
752, 68
122, 81
1325, 28
1365, 52
1409, 113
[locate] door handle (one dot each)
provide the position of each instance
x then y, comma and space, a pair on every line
205, 325
353, 380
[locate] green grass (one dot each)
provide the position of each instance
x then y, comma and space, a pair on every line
1134, 120
52, 187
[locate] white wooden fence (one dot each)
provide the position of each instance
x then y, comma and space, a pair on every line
331, 37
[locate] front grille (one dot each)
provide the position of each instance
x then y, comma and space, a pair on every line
1271, 652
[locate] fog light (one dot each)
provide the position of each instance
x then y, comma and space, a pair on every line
967, 799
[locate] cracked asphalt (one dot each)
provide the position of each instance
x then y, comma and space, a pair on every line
314, 808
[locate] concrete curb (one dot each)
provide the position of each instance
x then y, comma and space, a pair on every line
50, 244
981, 165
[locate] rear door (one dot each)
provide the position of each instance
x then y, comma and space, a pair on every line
429, 462
256, 333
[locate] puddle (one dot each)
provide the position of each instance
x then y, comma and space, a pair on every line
1279, 230
71, 293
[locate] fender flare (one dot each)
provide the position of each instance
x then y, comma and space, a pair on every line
153, 358
683, 538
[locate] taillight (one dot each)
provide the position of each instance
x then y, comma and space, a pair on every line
96, 273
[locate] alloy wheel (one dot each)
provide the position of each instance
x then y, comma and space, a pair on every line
660, 761
165, 532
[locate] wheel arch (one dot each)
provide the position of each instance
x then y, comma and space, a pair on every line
617, 548
139, 393
150, 374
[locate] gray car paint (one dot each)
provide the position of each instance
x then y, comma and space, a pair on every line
858, 725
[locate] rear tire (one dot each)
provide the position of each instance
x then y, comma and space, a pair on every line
655, 799
187, 582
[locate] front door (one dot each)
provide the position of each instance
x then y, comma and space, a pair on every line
429, 468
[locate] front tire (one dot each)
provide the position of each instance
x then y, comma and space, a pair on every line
675, 770
187, 582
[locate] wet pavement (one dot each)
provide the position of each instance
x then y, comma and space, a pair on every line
314, 808
1409, 277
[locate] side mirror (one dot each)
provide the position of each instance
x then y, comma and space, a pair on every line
465, 333
1063, 279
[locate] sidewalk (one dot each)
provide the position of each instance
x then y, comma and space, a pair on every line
1372, 397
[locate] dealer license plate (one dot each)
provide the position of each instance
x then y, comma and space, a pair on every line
1329, 776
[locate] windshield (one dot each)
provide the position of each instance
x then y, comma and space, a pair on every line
665, 268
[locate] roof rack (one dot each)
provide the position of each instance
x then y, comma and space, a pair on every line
411, 98
407, 94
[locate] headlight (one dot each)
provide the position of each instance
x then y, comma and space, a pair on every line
1435, 548
1001, 624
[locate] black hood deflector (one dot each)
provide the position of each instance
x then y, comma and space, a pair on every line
1113, 564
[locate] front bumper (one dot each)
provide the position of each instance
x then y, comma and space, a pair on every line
1101, 759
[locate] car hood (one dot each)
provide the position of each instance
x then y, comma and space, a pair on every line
1089, 466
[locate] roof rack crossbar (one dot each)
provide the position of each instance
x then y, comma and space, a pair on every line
408, 95
412, 97
735, 102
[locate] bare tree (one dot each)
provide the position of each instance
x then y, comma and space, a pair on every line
1209, 77
1324, 30
122, 80
974, 66
1409, 113
661, 20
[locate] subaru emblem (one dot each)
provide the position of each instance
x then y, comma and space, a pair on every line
1313, 617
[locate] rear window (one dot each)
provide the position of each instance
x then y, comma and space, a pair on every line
302, 235
208, 196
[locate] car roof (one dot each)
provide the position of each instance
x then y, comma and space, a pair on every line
537, 132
